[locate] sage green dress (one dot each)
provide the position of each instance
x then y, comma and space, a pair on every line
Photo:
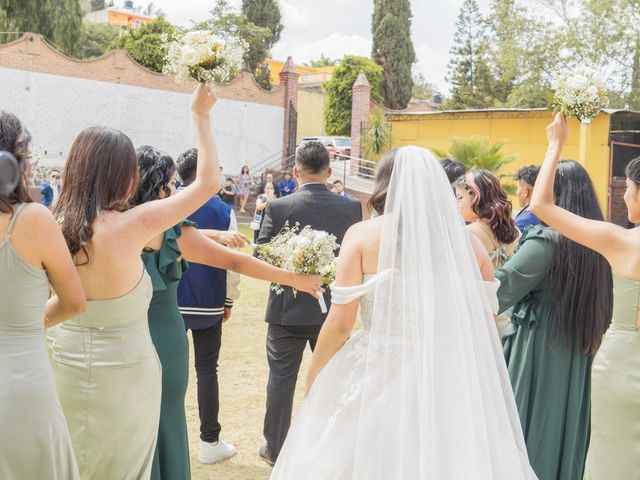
614, 452
171, 459
109, 380
34, 440
551, 382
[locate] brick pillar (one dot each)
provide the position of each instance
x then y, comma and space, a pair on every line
289, 81
360, 109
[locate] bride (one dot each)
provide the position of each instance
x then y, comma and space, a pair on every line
422, 391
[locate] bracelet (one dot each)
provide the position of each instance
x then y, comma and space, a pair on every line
295, 285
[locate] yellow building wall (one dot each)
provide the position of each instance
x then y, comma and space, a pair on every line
130, 19
524, 133
311, 105
275, 67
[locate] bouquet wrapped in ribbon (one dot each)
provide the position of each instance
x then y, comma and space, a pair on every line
201, 56
305, 251
580, 94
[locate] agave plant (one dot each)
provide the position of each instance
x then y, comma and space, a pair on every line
376, 138
479, 153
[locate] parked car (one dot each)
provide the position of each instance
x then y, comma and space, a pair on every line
338, 147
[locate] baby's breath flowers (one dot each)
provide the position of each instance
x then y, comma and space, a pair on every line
580, 94
201, 56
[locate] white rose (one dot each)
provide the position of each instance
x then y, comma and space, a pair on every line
578, 81
190, 56
598, 81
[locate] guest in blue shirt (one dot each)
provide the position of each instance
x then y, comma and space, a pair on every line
51, 189
526, 179
287, 186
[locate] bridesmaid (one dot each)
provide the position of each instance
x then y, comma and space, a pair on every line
165, 258
105, 365
614, 449
487, 210
35, 441
561, 294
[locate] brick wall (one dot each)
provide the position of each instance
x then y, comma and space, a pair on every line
360, 109
56, 97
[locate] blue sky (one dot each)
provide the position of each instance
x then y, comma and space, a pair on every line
339, 27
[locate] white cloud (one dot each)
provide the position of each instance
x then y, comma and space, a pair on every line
294, 17
432, 63
334, 46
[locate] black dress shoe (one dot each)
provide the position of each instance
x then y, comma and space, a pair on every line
265, 455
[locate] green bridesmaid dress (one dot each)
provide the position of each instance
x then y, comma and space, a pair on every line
108, 378
171, 460
550, 381
614, 452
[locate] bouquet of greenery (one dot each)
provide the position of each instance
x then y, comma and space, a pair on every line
306, 251
581, 94
203, 57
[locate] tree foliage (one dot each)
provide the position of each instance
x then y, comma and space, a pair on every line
340, 95
469, 69
476, 153
97, 39
58, 21
422, 88
145, 44
393, 50
264, 14
322, 62
376, 138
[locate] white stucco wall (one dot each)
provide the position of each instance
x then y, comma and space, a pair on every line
56, 108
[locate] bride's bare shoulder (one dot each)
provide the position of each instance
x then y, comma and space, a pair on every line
364, 230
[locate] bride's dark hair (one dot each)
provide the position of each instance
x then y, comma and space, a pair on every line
583, 296
378, 197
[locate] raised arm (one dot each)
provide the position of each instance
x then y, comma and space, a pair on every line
198, 248
339, 323
605, 238
150, 219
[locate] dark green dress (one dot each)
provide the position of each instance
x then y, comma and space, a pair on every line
171, 460
551, 382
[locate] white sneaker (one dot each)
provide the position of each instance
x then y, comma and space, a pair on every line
216, 451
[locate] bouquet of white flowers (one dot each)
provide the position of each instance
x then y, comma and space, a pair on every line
306, 251
203, 57
581, 94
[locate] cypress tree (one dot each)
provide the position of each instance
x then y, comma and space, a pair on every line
265, 14
393, 50
58, 21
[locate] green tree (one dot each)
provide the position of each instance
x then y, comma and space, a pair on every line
393, 50
339, 92
97, 39
469, 69
423, 89
376, 139
145, 44
476, 153
225, 23
98, 5
322, 62
58, 21
265, 14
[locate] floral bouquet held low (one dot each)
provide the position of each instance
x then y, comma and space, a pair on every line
201, 56
581, 94
305, 251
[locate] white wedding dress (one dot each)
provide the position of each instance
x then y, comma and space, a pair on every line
422, 391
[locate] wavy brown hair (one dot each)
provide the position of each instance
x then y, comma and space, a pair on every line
101, 174
15, 139
378, 198
491, 203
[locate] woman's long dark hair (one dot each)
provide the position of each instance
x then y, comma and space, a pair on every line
15, 139
156, 170
378, 198
583, 291
101, 174
492, 204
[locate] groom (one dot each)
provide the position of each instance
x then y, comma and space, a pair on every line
295, 321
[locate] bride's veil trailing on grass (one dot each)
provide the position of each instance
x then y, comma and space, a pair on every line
451, 413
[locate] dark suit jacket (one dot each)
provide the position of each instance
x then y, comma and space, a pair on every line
316, 206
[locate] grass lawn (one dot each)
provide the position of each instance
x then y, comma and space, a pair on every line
243, 374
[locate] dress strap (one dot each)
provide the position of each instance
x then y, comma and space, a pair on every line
495, 247
12, 222
344, 295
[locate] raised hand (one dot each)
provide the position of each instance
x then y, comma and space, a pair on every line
203, 100
558, 132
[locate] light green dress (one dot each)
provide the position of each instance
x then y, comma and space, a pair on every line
34, 440
614, 451
109, 380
